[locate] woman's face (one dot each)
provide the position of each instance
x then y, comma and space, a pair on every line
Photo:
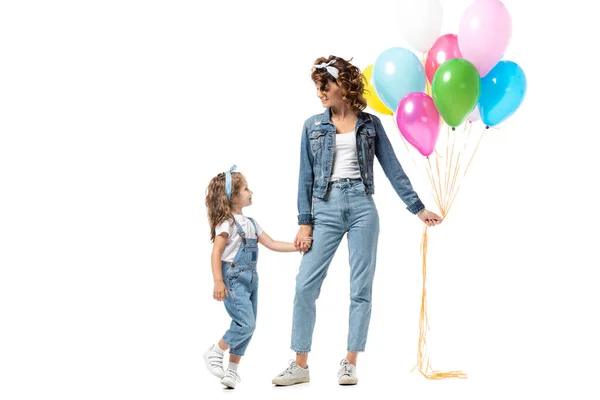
331, 96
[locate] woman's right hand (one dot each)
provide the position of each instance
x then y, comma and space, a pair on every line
301, 242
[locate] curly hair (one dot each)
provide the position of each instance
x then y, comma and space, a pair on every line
350, 80
217, 206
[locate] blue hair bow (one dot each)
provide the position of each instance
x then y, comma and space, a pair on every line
228, 182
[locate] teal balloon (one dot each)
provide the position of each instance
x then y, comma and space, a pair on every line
396, 73
502, 92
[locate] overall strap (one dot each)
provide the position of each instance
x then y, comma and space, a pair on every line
240, 230
254, 224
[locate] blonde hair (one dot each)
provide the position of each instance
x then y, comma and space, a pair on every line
217, 206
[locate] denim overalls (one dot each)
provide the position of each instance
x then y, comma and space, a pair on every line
241, 280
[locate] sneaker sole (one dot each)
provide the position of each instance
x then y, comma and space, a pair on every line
229, 385
348, 382
289, 383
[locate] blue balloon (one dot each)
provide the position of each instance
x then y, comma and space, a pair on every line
502, 92
396, 73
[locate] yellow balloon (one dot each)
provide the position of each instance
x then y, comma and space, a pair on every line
371, 96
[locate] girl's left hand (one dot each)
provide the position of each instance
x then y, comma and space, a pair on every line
220, 291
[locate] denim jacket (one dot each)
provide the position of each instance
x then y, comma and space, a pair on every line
316, 161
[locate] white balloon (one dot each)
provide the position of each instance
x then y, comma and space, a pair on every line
421, 22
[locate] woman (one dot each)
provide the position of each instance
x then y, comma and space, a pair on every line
335, 191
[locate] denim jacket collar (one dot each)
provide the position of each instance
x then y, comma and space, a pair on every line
362, 117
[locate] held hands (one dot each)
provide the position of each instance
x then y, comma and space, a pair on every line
303, 240
220, 291
306, 244
429, 218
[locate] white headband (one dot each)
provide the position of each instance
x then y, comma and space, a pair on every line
332, 70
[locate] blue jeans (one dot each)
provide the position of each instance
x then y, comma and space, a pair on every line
346, 208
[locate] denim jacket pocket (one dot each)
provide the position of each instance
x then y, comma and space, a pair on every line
316, 140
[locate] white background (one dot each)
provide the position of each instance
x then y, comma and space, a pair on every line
114, 116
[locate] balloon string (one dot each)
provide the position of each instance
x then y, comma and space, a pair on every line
449, 185
444, 200
452, 186
433, 185
437, 167
475, 151
422, 356
459, 155
468, 165
448, 164
453, 167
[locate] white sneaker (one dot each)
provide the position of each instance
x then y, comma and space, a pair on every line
214, 362
231, 378
347, 373
292, 375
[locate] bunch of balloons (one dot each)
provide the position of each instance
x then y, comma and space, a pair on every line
469, 80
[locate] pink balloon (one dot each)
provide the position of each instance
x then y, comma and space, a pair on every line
484, 33
475, 116
419, 121
444, 49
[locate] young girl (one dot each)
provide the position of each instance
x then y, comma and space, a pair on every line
234, 257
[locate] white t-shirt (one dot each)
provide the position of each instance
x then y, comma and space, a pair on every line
345, 163
234, 240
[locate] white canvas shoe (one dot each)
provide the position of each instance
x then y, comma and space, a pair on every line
292, 375
214, 362
347, 373
231, 378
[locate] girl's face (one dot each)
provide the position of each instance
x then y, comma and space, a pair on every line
244, 197
331, 96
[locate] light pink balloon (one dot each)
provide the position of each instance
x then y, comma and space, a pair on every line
484, 33
475, 116
419, 121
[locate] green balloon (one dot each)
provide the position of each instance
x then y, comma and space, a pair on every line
455, 90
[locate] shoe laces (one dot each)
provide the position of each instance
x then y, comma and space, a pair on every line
345, 368
290, 369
